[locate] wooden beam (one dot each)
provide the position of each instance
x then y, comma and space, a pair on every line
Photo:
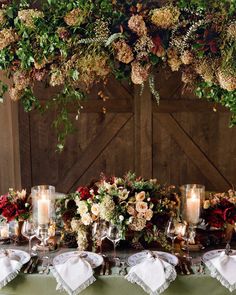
93, 151
9, 143
25, 149
193, 151
185, 105
143, 132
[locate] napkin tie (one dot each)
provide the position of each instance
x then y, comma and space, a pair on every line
153, 275
10, 268
223, 268
74, 275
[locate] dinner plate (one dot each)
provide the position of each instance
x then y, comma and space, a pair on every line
23, 256
93, 259
139, 257
214, 253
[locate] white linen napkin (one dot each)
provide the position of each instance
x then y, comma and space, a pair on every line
223, 268
152, 274
9, 268
74, 275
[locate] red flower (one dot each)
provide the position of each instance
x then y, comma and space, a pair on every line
84, 193
10, 212
230, 215
216, 218
3, 201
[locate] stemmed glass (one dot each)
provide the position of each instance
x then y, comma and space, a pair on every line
99, 232
114, 235
28, 231
171, 232
187, 236
43, 235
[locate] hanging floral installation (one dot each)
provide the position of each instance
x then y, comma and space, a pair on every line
75, 44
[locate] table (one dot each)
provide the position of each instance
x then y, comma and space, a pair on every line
36, 284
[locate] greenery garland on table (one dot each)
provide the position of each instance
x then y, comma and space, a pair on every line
76, 43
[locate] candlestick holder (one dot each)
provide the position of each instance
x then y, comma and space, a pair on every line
193, 197
43, 200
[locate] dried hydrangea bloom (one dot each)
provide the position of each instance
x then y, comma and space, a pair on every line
137, 25
75, 17
165, 17
227, 81
15, 94
139, 72
28, 16
63, 33
231, 31
2, 17
57, 78
174, 60
92, 67
7, 37
137, 224
123, 52
107, 208
21, 80
187, 57
206, 69
143, 47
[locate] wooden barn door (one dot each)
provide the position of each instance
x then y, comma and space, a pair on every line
181, 141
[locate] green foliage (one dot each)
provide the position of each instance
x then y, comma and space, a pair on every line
223, 6
51, 49
29, 100
63, 123
214, 93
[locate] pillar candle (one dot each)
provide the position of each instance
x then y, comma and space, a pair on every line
43, 210
193, 208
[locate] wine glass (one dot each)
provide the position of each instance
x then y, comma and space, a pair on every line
187, 236
114, 235
99, 232
42, 233
171, 232
28, 231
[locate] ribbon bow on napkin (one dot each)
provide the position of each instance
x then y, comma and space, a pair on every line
9, 266
74, 275
223, 268
152, 274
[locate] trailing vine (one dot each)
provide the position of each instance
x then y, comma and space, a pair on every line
75, 44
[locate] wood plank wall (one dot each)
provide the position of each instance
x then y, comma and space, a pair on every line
10, 174
181, 141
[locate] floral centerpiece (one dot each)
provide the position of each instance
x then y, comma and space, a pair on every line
220, 210
15, 205
140, 207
